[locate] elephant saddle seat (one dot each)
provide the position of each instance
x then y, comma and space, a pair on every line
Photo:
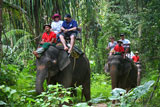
126, 59
76, 52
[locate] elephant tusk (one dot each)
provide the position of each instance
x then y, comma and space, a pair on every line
54, 61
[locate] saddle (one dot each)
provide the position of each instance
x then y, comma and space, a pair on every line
76, 52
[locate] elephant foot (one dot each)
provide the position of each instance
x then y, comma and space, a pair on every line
90, 104
67, 104
114, 101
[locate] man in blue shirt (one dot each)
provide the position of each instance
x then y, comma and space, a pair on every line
69, 29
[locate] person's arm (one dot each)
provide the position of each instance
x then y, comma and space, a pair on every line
138, 58
128, 42
52, 26
123, 51
62, 28
52, 40
115, 48
133, 58
43, 38
75, 26
107, 48
72, 29
42, 42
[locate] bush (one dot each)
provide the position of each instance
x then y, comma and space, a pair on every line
100, 86
129, 99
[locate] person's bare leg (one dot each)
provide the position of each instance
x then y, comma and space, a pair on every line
36, 54
63, 42
72, 43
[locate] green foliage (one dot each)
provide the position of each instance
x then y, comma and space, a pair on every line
26, 78
55, 95
23, 20
152, 75
129, 99
100, 86
9, 74
8, 95
17, 45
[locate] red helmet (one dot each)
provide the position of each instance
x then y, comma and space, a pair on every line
56, 15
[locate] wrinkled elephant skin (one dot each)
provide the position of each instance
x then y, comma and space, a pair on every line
123, 72
55, 66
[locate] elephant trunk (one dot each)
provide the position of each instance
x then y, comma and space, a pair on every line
114, 76
40, 77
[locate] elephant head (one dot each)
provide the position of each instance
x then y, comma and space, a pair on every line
119, 70
52, 61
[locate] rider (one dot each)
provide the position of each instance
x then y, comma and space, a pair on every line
56, 25
48, 38
136, 57
119, 48
129, 53
126, 42
69, 29
111, 45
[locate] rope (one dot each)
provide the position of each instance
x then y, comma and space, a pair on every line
33, 39
74, 63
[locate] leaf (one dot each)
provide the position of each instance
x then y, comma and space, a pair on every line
81, 105
2, 86
13, 91
30, 100
7, 89
31, 91
2, 103
116, 93
97, 100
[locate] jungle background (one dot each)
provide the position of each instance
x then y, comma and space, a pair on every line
21, 26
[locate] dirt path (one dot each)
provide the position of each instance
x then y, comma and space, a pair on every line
100, 105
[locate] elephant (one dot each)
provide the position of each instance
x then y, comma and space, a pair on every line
139, 66
123, 72
56, 66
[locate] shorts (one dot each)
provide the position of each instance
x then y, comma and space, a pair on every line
58, 39
68, 34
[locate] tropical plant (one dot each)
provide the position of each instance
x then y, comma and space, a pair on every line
129, 99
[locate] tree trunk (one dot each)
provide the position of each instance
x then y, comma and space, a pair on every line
1, 51
36, 18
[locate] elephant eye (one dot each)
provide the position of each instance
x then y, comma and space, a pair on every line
49, 63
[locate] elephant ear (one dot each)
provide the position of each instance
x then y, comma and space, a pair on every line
63, 60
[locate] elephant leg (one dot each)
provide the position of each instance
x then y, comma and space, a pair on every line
66, 78
121, 83
138, 78
86, 90
51, 80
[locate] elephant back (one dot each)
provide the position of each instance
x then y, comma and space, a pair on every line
132, 78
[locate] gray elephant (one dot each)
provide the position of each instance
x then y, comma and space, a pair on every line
55, 66
123, 72
139, 66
